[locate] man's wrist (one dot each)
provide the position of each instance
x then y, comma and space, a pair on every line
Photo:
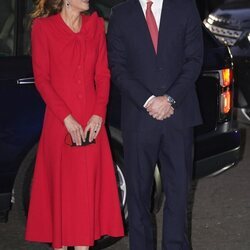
171, 100
149, 99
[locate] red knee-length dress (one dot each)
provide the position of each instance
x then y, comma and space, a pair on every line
74, 197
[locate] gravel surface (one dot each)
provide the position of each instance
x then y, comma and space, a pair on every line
220, 215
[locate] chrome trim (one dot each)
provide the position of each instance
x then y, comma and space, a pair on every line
245, 113
226, 40
222, 170
225, 36
214, 74
222, 31
122, 190
23, 81
211, 19
122, 185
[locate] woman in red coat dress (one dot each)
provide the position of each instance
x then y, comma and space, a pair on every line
74, 198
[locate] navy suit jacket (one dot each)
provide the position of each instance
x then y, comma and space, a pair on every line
139, 72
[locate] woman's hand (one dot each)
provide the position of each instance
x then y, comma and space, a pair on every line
75, 130
94, 126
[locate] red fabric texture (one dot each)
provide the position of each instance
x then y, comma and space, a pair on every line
152, 26
74, 197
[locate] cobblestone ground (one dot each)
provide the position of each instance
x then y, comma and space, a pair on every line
220, 216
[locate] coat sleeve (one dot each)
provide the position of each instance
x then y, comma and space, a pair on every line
121, 77
193, 57
41, 68
102, 74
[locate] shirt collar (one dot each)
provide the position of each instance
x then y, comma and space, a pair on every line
156, 3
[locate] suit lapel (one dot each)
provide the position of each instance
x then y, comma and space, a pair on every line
164, 25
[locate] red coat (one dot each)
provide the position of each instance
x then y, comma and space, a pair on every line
74, 198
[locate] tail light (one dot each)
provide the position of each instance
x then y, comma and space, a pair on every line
226, 77
226, 80
225, 102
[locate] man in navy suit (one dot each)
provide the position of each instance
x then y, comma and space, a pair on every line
155, 54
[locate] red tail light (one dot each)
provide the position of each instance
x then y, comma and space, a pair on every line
226, 77
225, 102
226, 80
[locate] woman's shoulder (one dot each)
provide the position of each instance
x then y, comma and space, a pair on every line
95, 21
43, 21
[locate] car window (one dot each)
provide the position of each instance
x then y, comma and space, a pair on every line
7, 27
25, 34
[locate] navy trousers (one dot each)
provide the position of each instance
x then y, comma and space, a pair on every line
173, 149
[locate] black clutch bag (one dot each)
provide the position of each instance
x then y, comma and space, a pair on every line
69, 141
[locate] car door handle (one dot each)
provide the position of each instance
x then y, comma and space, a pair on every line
29, 80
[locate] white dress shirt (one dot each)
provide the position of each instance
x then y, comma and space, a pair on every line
156, 9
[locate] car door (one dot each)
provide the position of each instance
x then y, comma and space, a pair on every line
20, 103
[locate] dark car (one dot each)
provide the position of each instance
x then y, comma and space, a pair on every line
230, 24
217, 141
205, 7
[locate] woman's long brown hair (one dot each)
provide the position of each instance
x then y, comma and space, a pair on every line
44, 8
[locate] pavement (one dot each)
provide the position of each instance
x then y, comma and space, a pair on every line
220, 215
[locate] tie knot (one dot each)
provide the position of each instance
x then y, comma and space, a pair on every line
149, 4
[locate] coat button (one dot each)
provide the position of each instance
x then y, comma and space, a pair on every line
79, 81
80, 96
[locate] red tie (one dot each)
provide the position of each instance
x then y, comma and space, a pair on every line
152, 25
